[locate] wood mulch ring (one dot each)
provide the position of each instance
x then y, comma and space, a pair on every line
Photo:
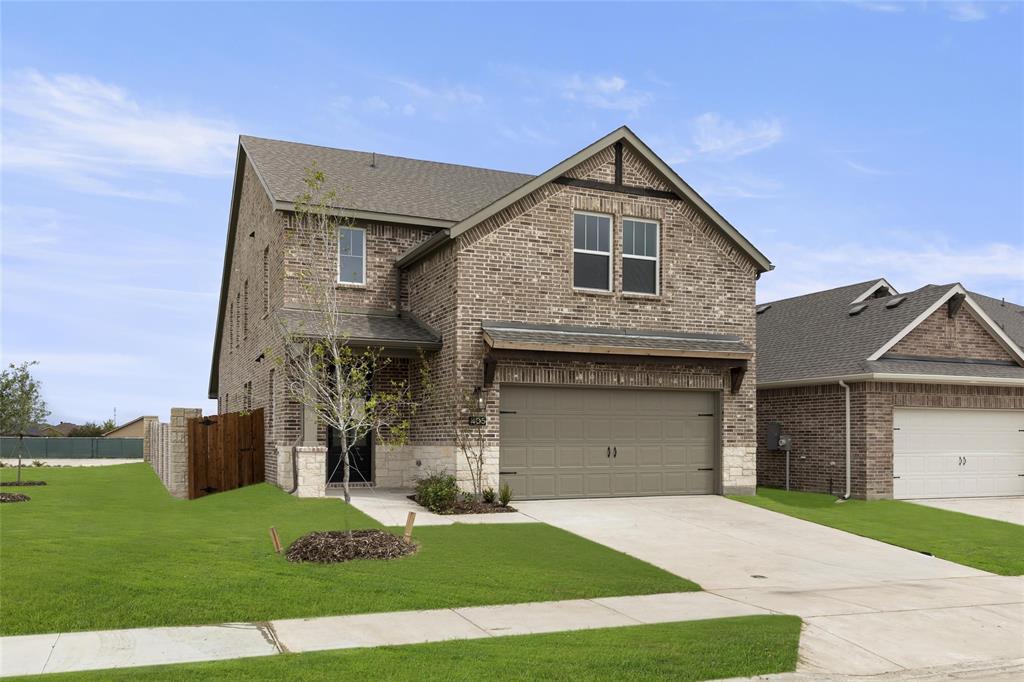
13, 497
335, 546
22, 483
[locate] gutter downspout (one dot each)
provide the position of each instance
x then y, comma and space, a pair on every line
846, 387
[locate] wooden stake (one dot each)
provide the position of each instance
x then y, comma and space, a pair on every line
276, 539
409, 520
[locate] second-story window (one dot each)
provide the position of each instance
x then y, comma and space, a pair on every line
639, 256
591, 251
352, 255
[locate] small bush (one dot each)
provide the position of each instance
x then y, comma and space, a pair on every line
438, 492
505, 494
38, 463
489, 495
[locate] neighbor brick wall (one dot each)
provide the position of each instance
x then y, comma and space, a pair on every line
959, 337
814, 417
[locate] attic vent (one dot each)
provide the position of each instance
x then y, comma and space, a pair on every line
858, 309
762, 308
895, 302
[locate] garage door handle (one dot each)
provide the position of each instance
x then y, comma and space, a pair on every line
507, 473
609, 451
706, 469
615, 452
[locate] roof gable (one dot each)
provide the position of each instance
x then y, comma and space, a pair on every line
626, 136
815, 336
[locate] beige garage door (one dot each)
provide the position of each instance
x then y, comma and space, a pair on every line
601, 442
957, 453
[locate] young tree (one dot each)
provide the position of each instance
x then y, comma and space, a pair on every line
468, 424
92, 429
336, 380
21, 403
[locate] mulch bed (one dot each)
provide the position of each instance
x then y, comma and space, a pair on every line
22, 483
470, 507
335, 546
13, 497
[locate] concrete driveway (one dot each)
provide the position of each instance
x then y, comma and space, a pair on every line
868, 607
999, 508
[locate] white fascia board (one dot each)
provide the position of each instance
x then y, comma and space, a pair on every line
896, 378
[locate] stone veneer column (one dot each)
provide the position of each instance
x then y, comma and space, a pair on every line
311, 461
177, 469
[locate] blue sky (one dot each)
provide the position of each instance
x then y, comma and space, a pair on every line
846, 140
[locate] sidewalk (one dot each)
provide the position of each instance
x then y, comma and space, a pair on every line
52, 653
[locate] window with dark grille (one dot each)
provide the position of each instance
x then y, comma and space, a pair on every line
592, 251
639, 256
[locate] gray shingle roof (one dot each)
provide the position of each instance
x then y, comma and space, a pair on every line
392, 185
815, 336
601, 339
389, 331
1009, 316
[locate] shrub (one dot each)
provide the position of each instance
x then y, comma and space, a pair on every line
505, 494
38, 463
437, 492
489, 495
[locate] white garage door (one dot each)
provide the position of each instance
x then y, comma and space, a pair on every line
957, 453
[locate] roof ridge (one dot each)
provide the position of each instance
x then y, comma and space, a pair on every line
389, 156
823, 291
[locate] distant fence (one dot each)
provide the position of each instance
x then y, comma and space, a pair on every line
72, 448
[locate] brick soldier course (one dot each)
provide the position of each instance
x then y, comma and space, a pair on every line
450, 247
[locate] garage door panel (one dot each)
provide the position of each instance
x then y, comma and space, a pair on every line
566, 433
957, 453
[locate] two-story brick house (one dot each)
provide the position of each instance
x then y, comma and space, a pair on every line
602, 312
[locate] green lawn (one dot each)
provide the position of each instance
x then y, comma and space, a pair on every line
698, 650
986, 544
107, 547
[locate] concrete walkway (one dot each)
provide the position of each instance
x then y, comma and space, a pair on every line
999, 508
868, 607
37, 654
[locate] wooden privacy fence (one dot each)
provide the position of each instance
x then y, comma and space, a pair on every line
224, 452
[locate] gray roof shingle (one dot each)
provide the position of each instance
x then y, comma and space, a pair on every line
632, 341
392, 184
383, 330
815, 336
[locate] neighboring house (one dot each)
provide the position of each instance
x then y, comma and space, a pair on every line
602, 312
136, 428
936, 392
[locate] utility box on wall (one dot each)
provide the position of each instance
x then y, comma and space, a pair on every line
777, 440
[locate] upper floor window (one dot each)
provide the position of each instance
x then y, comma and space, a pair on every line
639, 256
592, 251
352, 255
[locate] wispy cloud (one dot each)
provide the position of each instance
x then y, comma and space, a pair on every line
724, 139
996, 269
733, 184
881, 7
448, 94
605, 92
94, 137
967, 11
865, 170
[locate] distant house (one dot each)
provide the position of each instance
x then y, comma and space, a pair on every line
136, 428
922, 392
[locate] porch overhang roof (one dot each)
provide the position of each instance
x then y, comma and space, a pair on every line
611, 341
378, 330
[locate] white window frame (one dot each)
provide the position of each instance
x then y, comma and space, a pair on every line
610, 253
656, 259
341, 282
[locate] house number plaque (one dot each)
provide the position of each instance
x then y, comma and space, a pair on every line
478, 420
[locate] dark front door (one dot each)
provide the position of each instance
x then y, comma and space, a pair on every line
360, 459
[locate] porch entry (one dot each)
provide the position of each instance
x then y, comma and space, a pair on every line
360, 459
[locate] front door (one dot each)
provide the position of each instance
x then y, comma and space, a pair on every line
360, 459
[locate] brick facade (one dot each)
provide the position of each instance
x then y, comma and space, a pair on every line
814, 417
515, 266
943, 336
